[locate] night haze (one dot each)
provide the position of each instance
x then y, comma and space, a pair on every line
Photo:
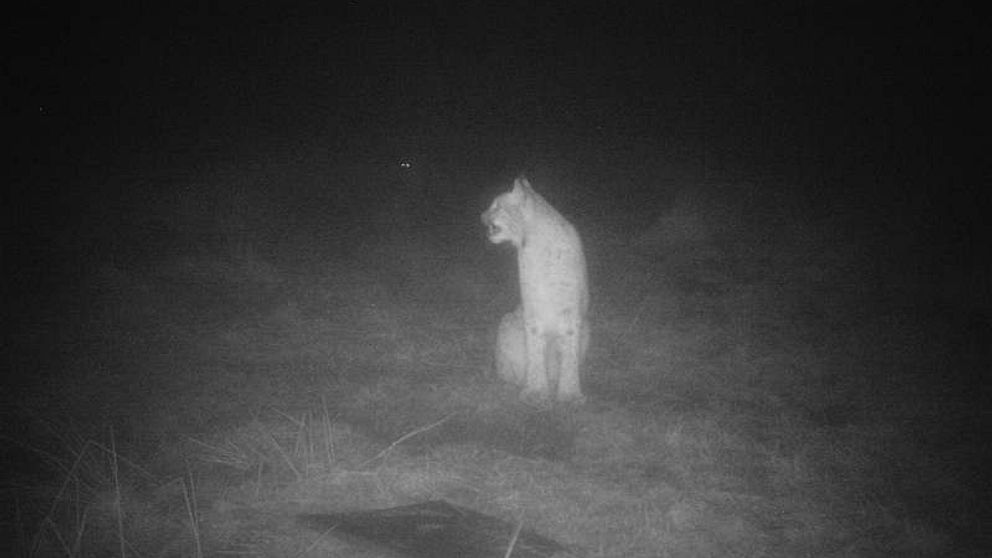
243, 255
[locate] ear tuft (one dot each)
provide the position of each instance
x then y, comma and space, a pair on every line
521, 183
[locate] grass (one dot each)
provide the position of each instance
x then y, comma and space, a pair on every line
746, 399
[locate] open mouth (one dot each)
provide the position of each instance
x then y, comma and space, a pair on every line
494, 229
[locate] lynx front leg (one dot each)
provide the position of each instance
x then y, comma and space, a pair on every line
570, 358
537, 378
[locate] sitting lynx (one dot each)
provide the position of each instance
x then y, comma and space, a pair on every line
543, 342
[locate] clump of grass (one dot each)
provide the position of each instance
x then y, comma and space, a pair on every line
79, 496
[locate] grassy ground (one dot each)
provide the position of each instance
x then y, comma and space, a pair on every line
754, 391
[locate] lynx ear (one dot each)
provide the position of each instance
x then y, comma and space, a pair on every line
522, 184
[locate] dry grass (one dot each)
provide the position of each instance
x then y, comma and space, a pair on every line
739, 407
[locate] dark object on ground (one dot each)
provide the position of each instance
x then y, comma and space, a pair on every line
436, 529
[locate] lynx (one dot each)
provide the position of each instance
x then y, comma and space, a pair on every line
542, 344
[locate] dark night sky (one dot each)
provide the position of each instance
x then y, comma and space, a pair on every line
833, 92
